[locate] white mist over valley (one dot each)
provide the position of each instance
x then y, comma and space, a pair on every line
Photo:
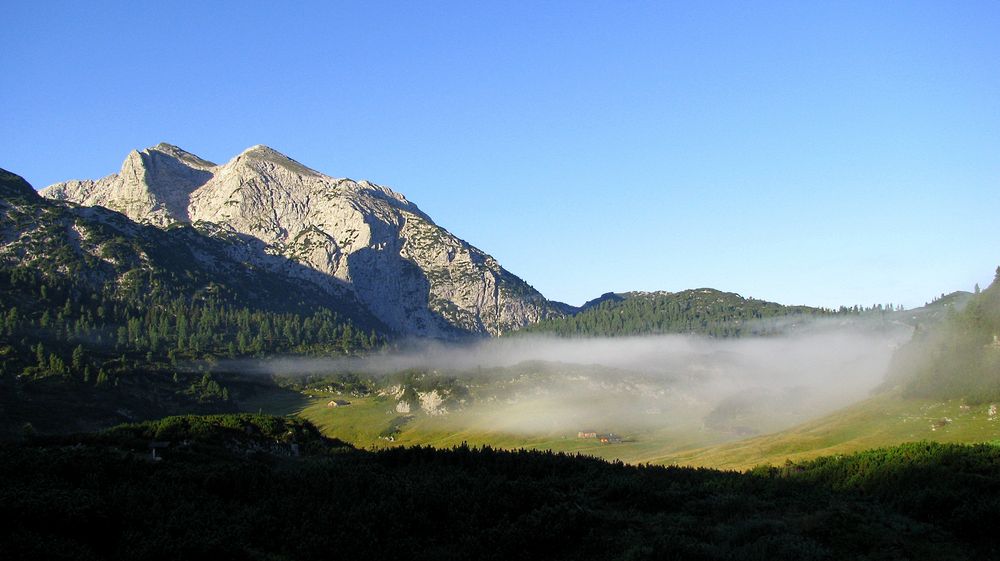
629, 386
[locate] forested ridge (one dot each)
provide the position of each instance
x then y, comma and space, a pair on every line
704, 311
958, 358
102, 319
149, 322
258, 487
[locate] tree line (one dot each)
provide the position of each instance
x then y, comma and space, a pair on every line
59, 316
703, 311
959, 358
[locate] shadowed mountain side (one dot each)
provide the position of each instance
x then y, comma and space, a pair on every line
404, 291
14, 186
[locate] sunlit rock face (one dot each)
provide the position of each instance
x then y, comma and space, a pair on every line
413, 275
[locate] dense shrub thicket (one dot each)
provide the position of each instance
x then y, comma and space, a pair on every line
231, 487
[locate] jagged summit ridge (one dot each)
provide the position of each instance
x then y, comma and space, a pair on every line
413, 275
261, 155
180, 154
153, 185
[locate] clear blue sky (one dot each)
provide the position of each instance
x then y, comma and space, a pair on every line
818, 153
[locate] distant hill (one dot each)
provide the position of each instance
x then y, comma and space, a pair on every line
607, 297
937, 310
704, 311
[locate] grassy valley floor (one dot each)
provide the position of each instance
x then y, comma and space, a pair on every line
372, 422
885, 420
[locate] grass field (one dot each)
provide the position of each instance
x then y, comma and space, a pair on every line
879, 421
367, 420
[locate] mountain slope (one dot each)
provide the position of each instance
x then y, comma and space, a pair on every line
957, 357
107, 252
99, 315
152, 186
413, 275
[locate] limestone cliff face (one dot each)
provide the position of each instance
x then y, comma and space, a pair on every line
413, 275
153, 185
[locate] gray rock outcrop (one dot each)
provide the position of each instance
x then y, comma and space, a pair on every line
413, 275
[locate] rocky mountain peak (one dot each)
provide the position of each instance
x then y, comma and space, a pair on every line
413, 275
261, 150
260, 155
180, 154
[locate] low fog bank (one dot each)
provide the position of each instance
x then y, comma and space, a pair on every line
836, 356
545, 384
